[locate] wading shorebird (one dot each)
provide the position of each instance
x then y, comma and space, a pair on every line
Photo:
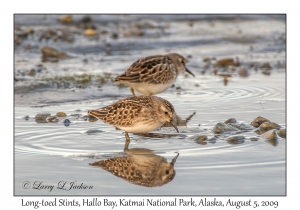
137, 114
153, 74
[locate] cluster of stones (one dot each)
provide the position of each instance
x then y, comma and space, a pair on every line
266, 130
46, 117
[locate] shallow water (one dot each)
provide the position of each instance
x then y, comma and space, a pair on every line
49, 153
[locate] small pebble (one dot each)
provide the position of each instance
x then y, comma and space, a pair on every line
259, 132
52, 119
207, 59
67, 122
114, 35
42, 115
66, 19
31, 72
94, 131
90, 32
266, 72
242, 126
201, 138
92, 118
273, 142
236, 142
86, 19
235, 138
269, 125
243, 72
254, 139
75, 115
49, 52
61, 114
231, 120
270, 135
85, 117
212, 140
224, 62
266, 66
258, 121
222, 127
201, 142
26, 117
282, 133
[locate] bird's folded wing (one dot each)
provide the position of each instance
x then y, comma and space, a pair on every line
120, 113
150, 70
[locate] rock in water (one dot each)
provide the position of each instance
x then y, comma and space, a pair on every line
266, 66
269, 125
201, 140
222, 127
52, 119
226, 62
66, 19
270, 135
243, 126
243, 72
42, 115
91, 118
26, 117
235, 139
61, 114
67, 122
90, 32
258, 121
94, 131
282, 133
231, 120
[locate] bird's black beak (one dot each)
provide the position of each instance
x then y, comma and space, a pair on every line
188, 71
174, 160
172, 123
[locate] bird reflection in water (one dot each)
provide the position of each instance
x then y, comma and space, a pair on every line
141, 167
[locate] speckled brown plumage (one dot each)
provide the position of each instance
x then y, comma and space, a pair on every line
138, 114
159, 70
150, 70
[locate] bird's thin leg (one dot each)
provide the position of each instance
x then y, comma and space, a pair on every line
127, 141
132, 91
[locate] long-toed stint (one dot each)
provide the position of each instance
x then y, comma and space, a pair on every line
137, 114
153, 74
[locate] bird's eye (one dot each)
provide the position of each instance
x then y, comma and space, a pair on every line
166, 113
182, 61
167, 172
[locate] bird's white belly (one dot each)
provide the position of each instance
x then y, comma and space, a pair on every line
141, 127
150, 89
